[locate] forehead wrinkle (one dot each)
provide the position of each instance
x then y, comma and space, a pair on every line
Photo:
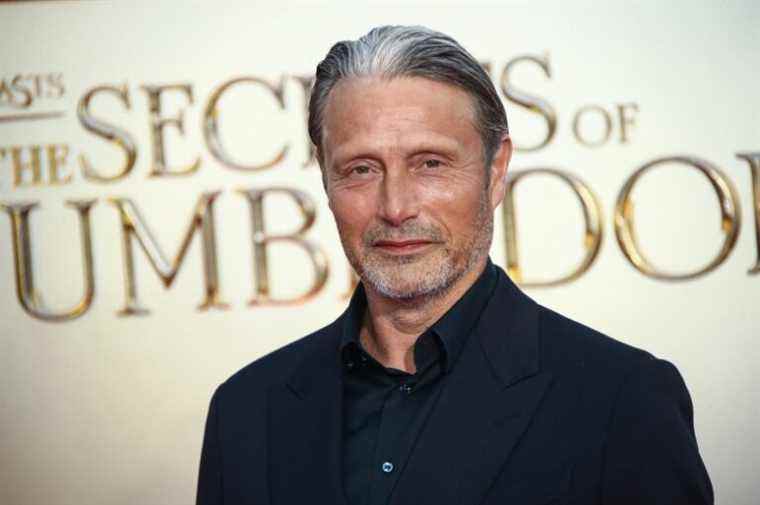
370, 127
399, 144
390, 133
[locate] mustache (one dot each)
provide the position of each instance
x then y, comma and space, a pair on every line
409, 230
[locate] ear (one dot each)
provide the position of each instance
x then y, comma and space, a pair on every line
499, 166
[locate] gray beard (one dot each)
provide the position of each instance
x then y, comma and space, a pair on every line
439, 281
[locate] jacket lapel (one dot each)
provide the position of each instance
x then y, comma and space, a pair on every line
485, 406
305, 423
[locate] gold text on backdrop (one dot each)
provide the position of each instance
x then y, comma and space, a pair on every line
728, 203
33, 166
592, 217
28, 295
133, 226
261, 240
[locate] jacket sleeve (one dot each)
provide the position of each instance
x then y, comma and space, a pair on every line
210, 471
651, 455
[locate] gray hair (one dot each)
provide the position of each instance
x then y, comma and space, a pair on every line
410, 51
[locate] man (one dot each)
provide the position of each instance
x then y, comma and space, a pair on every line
442, 383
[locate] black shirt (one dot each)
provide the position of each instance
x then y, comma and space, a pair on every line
384, 409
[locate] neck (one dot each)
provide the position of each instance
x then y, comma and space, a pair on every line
391, 327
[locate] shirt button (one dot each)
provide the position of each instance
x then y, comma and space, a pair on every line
405, 388
387, 467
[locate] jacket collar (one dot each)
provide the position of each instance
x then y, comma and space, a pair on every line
511, 346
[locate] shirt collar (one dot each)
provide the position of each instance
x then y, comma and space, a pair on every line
452, 328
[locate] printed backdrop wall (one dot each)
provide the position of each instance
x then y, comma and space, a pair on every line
162, 221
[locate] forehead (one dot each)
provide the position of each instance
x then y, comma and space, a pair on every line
399, 114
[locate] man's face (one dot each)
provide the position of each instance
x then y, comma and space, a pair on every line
406, 182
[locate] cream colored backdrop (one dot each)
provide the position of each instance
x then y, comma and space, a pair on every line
109, 409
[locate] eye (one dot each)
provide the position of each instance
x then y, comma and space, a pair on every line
360, 169
432, 163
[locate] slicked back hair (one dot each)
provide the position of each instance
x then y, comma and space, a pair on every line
410, 51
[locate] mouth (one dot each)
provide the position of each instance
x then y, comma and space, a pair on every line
408, 246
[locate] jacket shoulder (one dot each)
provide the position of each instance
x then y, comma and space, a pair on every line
275, 365
566, 342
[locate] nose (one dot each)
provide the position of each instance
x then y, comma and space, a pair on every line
398, 198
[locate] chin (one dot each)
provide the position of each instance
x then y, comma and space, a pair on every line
411, 280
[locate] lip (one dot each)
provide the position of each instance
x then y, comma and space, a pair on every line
402, 246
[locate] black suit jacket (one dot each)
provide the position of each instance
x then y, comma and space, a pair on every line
541, 408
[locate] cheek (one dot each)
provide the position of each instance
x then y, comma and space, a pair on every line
352, 213
455, 206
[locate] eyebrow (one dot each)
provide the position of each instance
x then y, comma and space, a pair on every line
444, 146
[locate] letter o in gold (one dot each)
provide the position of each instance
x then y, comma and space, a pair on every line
728, 202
